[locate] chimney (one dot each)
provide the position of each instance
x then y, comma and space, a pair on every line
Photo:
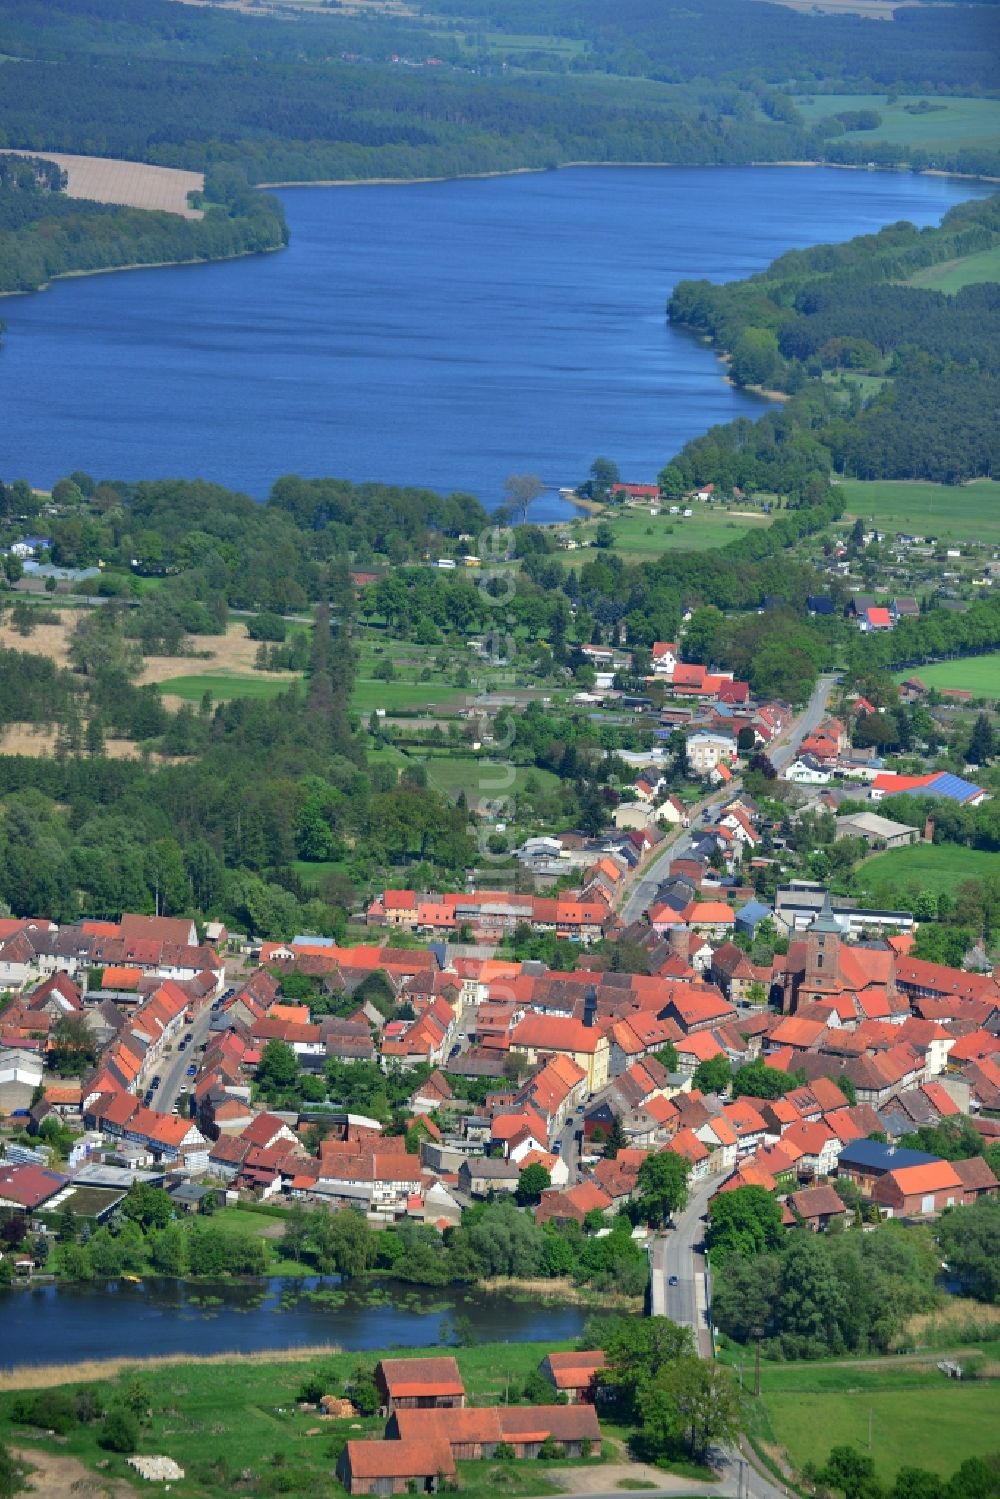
929, 830
590, 1007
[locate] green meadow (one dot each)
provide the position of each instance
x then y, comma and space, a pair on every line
954, 512
641, 537
951, 275
979, 675
949, 124
223, 686
938, 867
234, 1425
916, 1416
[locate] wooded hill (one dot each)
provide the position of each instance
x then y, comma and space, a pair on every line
845, 309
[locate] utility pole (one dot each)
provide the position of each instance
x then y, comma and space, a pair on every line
756, 1367
869, 1429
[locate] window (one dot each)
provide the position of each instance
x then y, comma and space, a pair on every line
819, 960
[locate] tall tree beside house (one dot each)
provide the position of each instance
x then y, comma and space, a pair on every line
617, 1139
661, 1188
690, 1406
744, 1222
534, 1180
713, 1075
982, 742
73, 1049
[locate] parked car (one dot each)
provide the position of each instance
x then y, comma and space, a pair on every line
192, 1070
673, 1281
157, 1080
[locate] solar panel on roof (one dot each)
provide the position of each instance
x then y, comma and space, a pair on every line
952, 786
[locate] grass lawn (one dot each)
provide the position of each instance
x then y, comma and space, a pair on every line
475, 775
959, 512
939, 867
218, 1418
977, 674
951, 275
962, 122
639, 536
314, 874
918, 1417
222, 686
369, 694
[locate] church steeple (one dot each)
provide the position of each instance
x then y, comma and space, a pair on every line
822, 953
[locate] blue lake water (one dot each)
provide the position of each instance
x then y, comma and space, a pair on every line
445, 334
66, 1323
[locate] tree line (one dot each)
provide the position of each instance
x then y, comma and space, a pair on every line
838, 308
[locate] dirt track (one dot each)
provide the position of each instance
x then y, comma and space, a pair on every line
58, 1477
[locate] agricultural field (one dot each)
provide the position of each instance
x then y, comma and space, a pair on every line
979, 675
133, 184
951, 275
916, 1417
938, 867
959, 512
949, 124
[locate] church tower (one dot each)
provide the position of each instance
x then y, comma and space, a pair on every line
822, 972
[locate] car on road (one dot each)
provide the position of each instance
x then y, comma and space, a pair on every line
673, 1281
192, 1070
148, 1098
157, 1080
182, 1046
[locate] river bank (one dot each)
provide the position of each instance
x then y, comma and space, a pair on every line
631, 166
141, 265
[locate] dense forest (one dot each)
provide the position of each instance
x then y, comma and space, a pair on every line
43, 233
846, 308
315, 98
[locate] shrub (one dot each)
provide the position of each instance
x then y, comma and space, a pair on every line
51, 1410
551, 1451
120, 1432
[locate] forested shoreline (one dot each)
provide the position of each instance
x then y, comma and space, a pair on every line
845, 310
323, 98
45, 234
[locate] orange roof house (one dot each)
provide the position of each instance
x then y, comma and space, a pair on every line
917, 1191
574, 1374
408, 1465
419, 1383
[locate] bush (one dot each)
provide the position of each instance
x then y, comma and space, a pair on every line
267, 626
50, 1410
551, 1451
120, 1432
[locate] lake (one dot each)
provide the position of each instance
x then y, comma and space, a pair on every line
444, 334
66, 1323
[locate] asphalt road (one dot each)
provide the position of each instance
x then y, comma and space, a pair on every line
173, 1066
644, 892
680, 1253
812, 714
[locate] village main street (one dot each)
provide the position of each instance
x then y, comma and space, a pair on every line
643, 892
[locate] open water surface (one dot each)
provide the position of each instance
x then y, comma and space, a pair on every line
443, 334
57, 1324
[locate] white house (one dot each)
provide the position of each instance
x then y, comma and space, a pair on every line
807, 771
663, 658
